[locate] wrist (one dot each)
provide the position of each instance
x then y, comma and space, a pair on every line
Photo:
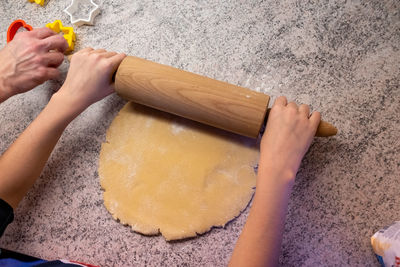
276, 173
273, 185
5, 93
65, 110
5, 67
68, 102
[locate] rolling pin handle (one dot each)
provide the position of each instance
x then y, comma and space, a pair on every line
325, 129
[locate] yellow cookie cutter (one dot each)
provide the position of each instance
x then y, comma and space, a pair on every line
69, 34
39, 2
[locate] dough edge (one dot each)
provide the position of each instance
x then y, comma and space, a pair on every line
143, 228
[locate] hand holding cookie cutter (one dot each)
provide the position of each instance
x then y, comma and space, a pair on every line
56, 26
76, 6
69, 34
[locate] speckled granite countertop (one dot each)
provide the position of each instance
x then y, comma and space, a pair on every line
341, 57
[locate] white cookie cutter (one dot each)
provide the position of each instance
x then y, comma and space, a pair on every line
76, 6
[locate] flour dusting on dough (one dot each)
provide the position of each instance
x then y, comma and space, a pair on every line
163, 174
176, 128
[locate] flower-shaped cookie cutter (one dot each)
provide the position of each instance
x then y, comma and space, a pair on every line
68, 32
89, 9
39, 2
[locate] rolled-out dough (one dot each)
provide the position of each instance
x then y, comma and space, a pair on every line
165, 174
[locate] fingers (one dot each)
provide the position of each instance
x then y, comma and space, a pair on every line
304, 109
315, 119
97, 51
292, 105
43, 74
52, 73
116, 61
42, 33
53, 59
114, 56
90, 50
280, 101
55, 42
109, 61
108, 54
84, 50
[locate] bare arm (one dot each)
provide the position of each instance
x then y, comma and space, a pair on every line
88, 81
23, 162
288, 136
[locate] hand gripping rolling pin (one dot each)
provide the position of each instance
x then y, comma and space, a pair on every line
219, 104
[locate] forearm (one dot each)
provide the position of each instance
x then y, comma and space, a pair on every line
260, 241
24, 160
87, 82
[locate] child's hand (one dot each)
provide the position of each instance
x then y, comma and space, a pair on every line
30, 59
289, 133
89, 77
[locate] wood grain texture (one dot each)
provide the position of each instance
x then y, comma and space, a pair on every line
219, 104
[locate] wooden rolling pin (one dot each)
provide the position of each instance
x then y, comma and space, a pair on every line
219, 104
